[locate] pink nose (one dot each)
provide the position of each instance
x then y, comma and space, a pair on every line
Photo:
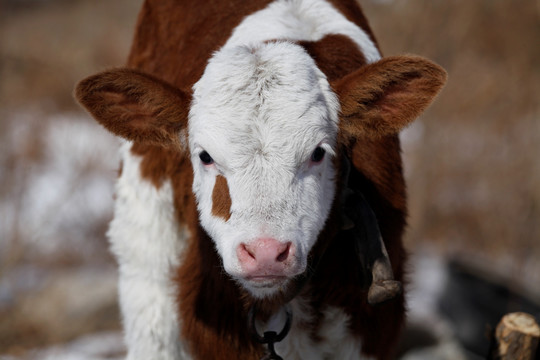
265, 257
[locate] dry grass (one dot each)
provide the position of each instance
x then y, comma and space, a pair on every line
48, 46
471, 160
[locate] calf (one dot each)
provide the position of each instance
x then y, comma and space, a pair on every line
257, 133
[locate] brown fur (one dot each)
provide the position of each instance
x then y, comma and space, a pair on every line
335, 55
173, 42
377, 173
221, 199
213, 315
136, 106
382, 98
175, 39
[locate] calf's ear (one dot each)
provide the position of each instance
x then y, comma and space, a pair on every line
382, 98
136, 106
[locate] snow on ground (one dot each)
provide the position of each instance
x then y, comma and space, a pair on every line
56, 198
62, 181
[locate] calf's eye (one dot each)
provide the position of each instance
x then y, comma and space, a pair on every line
318, 154
206, 158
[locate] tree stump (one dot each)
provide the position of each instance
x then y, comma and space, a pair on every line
517, 337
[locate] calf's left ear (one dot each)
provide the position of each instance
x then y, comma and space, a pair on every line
382, 98
136, 106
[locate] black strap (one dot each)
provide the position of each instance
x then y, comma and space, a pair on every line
361, 225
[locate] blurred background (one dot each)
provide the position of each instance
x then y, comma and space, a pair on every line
471, 161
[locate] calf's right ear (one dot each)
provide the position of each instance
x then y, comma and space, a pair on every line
136, 106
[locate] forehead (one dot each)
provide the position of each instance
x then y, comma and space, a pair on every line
269, 93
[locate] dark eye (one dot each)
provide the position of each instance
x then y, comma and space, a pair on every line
206, 158
318, 154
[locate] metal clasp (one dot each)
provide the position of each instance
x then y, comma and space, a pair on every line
269, 338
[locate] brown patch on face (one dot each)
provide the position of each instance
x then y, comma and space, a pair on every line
120, 168
335, 55
221, 199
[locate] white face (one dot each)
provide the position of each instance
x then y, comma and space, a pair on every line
265, 119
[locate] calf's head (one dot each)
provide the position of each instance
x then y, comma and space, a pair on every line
263, 127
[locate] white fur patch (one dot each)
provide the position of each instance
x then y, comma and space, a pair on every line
147, 241
300, 20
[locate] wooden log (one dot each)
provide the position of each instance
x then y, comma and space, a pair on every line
517, 337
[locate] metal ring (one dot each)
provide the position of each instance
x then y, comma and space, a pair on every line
282, 333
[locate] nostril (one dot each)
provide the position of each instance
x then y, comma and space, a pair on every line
246, 251
282, 256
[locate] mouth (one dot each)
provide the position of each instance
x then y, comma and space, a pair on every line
265, 286
266, 281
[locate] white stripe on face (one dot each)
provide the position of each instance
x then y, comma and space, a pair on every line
260, 112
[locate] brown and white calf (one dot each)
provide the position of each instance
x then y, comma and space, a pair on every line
237, 117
